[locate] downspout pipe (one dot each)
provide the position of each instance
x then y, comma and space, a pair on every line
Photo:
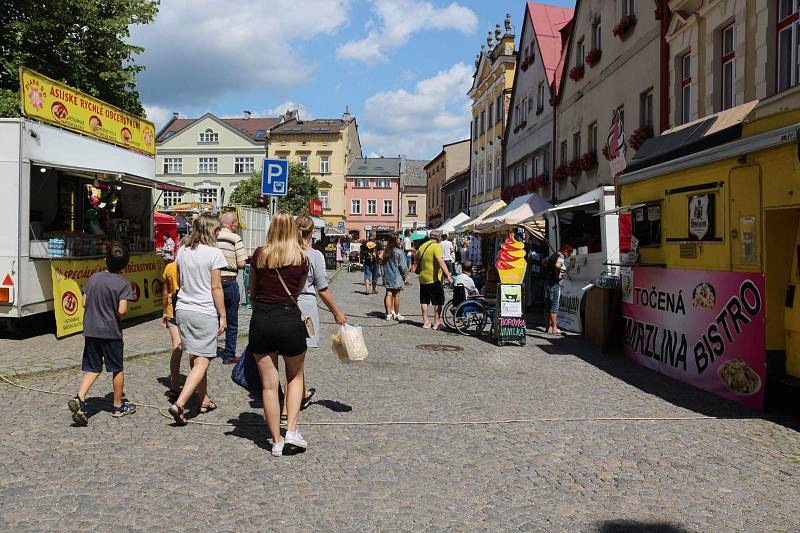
665, 16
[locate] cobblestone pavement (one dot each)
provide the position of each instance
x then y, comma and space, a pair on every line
41, 352
600, 445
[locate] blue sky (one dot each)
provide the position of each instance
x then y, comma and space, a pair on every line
402, 66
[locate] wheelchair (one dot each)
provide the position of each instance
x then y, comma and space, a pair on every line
468, 316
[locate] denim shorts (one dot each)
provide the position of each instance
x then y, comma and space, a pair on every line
96, 352
371, 272
555, 295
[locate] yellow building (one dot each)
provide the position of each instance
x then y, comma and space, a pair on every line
326, 147
490, 94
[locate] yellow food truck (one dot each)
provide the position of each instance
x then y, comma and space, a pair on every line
710, 227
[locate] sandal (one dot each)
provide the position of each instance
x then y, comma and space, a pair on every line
208, 407
307, 400
177, 413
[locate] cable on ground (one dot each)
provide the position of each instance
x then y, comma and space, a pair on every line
535, 420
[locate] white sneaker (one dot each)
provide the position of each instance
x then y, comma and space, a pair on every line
277, 448
399, 318
389, 316
295, 439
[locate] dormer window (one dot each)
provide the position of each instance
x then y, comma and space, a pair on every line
209, 136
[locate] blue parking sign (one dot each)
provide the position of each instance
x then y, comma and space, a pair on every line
275, 177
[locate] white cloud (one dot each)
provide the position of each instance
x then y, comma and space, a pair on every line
281, 108
199, 50
157, 115
399, 20
417, 123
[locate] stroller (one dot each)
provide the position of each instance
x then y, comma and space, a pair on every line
354, 261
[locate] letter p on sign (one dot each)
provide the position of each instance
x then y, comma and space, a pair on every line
275, 177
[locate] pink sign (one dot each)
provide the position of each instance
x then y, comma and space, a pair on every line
702, 327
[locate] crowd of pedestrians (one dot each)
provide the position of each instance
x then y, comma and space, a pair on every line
201, 300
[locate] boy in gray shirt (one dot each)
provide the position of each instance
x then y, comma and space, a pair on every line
105, 302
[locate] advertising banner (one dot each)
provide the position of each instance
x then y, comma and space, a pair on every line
69, 275
50, 101
569, 305
511, 300
701, 327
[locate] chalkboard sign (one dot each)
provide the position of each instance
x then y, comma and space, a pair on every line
510, 329
330, 260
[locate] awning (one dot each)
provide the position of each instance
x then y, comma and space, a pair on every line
318, 222
189, 207
419, 235
693, 137
492, 210
580, 206
618, 210
449, 226
524, 209
121, 177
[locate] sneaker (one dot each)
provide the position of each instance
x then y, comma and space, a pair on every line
389, 316
295, 439
277, 448
78, 408
126, 408
399, 318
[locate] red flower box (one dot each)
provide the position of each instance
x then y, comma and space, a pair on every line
561, 172
624, 25
638, 137
576, 72
606, 154
593, 57
541, 180
530, 185
588, 161
574, 168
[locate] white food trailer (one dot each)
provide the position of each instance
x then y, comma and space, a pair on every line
44, 170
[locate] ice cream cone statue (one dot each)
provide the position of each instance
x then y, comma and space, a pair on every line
511, 263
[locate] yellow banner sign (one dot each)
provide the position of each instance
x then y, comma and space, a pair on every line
50, 101
69, 275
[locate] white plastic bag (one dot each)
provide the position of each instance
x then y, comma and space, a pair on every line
348, 343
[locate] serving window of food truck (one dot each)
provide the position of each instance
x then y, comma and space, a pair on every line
76, 213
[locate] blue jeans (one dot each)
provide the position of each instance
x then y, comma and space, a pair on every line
231, 291
555, 296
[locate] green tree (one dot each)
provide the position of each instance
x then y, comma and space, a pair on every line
302, 188
83, 43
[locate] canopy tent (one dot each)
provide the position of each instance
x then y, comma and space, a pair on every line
449, 226
492, 210
164, 225
419, 235
525, 211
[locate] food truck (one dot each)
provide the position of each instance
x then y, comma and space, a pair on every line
77, 175
712, 230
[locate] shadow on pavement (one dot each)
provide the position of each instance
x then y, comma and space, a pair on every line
635, 526
665, 387
45, 324
250, 426
333, 405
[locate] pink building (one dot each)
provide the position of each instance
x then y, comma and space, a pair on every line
372, 196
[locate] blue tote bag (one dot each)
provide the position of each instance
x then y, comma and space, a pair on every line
245, 372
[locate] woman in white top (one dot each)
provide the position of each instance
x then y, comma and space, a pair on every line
200, 311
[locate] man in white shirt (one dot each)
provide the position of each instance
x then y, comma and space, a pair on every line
466, 280
408, 249
447, 252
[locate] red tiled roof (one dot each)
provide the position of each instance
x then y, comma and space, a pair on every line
547, 23
248, 126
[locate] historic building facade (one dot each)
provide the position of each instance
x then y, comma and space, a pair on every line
613, 63
413, 194
452, 160
528, 137
372, 195
490, 95
209, 154
455, 192
327, 147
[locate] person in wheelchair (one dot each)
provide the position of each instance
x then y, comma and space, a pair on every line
465, 279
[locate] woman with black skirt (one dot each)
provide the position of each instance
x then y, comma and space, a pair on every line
279, 270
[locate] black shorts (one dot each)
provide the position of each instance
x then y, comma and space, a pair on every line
96, 351
276, 327
431, 293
